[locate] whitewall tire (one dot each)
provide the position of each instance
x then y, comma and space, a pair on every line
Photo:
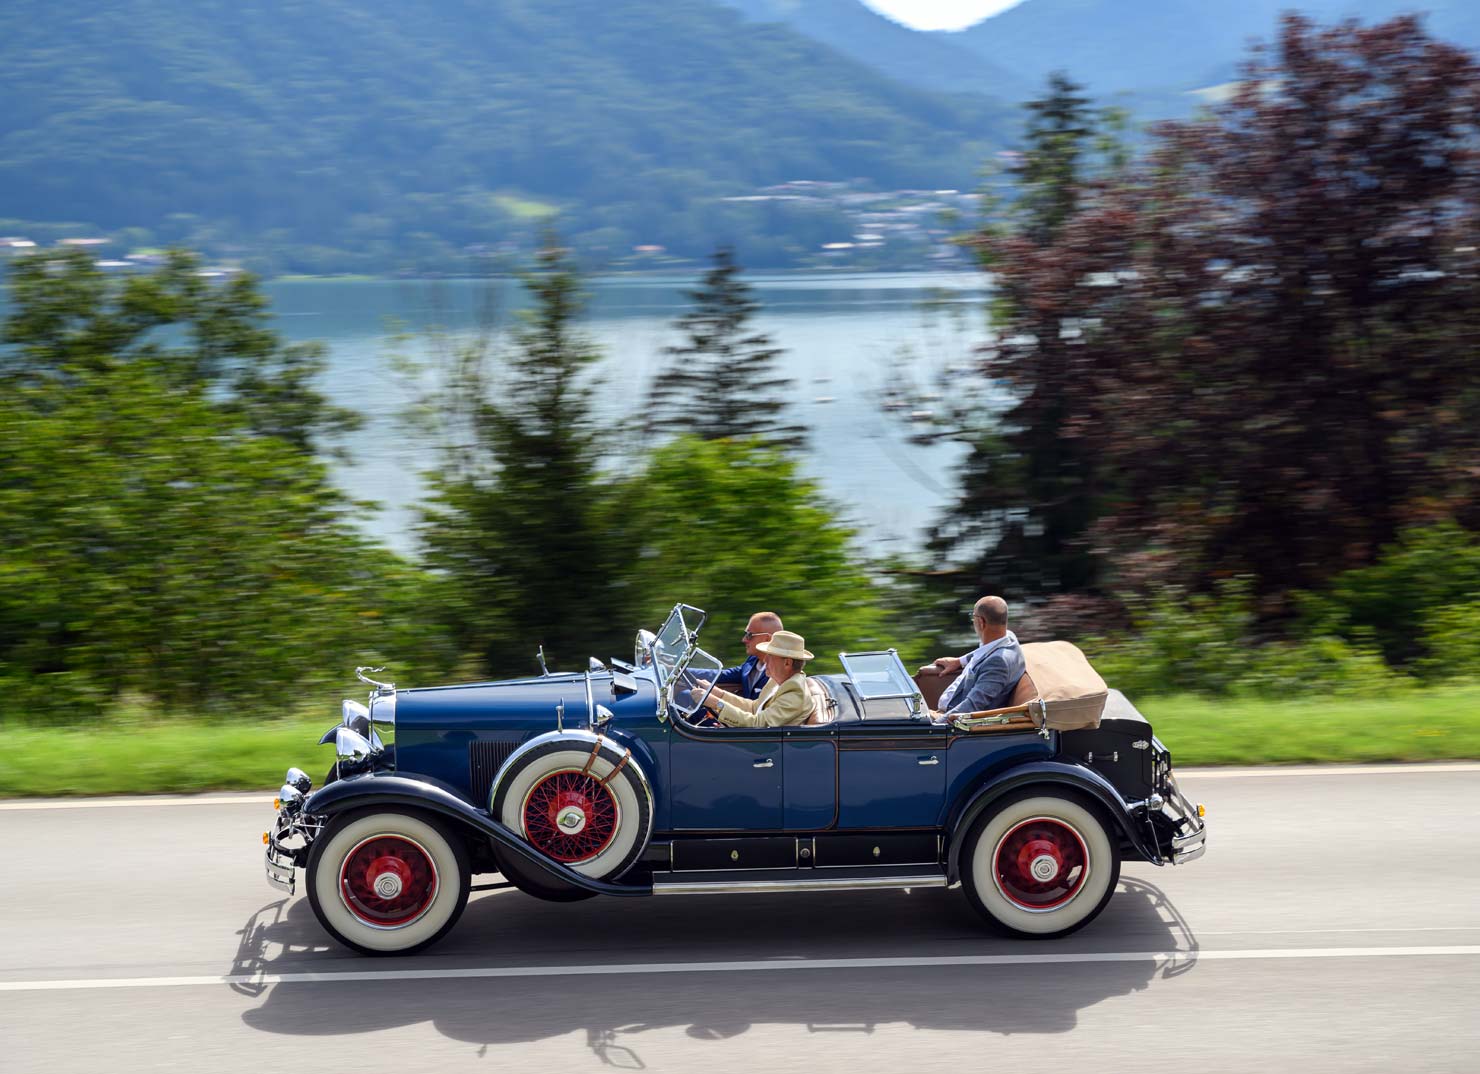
589, 811
387, 882
1039, 865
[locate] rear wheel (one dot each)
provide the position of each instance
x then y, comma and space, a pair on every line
1039, 865
387, 882
539, 885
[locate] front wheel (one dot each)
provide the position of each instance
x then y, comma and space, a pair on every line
1039, 866
387, 883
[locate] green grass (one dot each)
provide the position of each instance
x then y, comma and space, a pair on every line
154, 758
1418, 725
157, 757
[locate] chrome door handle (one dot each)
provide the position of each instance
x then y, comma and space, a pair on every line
929, 760
767, 763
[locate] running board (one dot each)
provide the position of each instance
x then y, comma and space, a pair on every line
721, 883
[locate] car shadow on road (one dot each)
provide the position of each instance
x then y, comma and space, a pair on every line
511, 930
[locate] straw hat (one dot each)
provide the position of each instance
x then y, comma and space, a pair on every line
785, 643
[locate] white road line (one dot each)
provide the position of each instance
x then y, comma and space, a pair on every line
118, 803
627, 969
1417, 768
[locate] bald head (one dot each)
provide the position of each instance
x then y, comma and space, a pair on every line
769, 622
993, 611
760, 628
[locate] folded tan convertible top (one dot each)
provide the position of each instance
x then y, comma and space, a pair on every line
1073, 692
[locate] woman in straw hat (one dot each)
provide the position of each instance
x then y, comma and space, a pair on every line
784, 700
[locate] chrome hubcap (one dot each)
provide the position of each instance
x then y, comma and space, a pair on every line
570, 820
387, 885
1044, 868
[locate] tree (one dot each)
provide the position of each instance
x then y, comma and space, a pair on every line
1025, 502
723, 382
1048, 173
704, 539
168, 533
1261, 345
517, 524
69, 320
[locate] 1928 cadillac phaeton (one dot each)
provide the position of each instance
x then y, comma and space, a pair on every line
604, 782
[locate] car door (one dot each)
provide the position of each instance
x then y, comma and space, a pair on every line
891, 774
725, 779
810, 779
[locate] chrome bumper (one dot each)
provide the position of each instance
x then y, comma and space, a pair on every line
288, 841
1192, 842
277, 860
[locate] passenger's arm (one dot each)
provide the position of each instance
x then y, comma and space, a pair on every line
990, 683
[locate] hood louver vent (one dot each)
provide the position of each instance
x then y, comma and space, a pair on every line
485, 758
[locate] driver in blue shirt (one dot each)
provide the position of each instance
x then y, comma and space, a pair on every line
747, 679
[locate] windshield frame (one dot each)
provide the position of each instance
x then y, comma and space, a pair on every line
675, 627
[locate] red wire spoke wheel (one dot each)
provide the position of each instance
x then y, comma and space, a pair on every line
1038, 863
1041, 863
570, 816
388, 881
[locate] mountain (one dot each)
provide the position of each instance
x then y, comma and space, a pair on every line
404, 131
918, 59
1141, 45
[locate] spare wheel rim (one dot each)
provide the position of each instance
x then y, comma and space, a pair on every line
570, 815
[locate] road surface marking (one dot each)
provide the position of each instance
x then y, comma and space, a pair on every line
1324, 770
118, 803
628, 969
1183, 773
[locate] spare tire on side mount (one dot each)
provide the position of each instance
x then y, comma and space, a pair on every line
578, 798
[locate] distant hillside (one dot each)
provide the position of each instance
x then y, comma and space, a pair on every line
925, 60
1142, 45
402, 130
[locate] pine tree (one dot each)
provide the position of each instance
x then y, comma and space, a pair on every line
1049, 173
1026, 502
518, 523
723, 381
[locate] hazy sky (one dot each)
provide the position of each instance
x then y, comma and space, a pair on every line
939, 14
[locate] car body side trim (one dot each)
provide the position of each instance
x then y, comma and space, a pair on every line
810, 883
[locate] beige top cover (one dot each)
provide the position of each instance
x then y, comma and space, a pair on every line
1073, 692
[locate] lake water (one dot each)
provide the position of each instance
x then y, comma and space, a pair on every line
850, 342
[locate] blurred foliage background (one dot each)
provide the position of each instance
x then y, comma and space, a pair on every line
1241, 457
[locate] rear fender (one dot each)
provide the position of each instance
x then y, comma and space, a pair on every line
402, 792
1053, 776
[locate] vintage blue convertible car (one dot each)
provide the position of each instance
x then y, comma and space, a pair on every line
603, 783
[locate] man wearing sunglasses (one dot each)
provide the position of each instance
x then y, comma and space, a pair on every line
749, 678
991, 671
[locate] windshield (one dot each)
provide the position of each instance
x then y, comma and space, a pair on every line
883, 684
672, 644
694, 681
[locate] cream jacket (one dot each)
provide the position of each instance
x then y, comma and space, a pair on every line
789, 703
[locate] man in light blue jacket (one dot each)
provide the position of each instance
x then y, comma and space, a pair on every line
991, 671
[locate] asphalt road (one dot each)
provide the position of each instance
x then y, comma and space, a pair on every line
1334, 924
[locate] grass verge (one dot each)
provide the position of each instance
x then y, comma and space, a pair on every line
184, 756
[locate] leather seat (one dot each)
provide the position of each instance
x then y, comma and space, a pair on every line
932, 686
823, 710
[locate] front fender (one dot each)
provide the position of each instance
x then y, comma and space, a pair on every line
1056, 774
407, 793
